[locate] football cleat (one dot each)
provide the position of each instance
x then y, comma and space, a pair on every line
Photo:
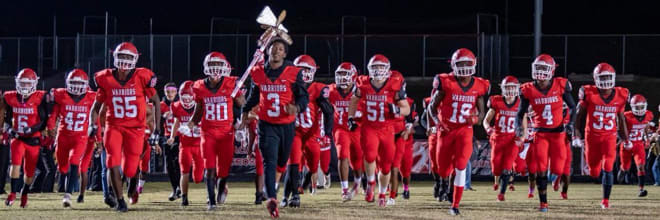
66, 201
272, 208
294, 202
543, 207
605, 204
10, 199
24, 200
454, 211
500, 197
80, 199
121, 206
382, 202
564, 195
406, 194
643, 193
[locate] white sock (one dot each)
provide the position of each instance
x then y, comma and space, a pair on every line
357, 180
371, 178
344, 184
141, 183
382, 188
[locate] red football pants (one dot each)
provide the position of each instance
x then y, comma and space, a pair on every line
601, 153
403, 155
637, 152
190, 157
503, 152
69, 150
455, 150
123, 146
87, 155
549, 147
348, 146
19, 151
378, 143
218, 150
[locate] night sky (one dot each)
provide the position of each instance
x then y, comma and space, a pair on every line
32, 18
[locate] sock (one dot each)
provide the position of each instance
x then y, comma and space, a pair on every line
504, 182
405, 187
641, 177
72, 178
371, 178
210, 190
458, 194
382, 188
608, 180
141, 183
344, 184
287, 184
357, 180
26, 189
307, 180
221, 185
542, 185
16, 185
295, 178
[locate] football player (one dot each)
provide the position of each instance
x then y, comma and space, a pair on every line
384, 94
458, 99
125, 90
637, 120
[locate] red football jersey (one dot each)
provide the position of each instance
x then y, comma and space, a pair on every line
218, 105
636, 127
167, 124
601, 114
72, 114
25, 114
376, 100
547, 106
308, 121
194, 137
340, 101
126, 103
459, 102
505, 114
275, 95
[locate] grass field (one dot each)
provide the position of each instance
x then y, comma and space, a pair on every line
582, 204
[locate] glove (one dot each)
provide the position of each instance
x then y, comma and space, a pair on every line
519, 131
358, 114
91, 132
153, 139
627, 145
12, 133
569, 128
26, 130
185, 130
518, 141
577, 143
490, 131
352, 125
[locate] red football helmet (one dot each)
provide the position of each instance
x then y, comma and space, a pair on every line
466, 56
216, 65
26, 82
308, 66
125, 56
604, 76
510, 86
186, 94
379, 67
345, 75
638, 105
543, 67
77, 82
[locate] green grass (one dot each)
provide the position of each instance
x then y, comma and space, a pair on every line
583, 203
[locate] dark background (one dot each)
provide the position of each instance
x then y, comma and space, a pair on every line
32, 18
